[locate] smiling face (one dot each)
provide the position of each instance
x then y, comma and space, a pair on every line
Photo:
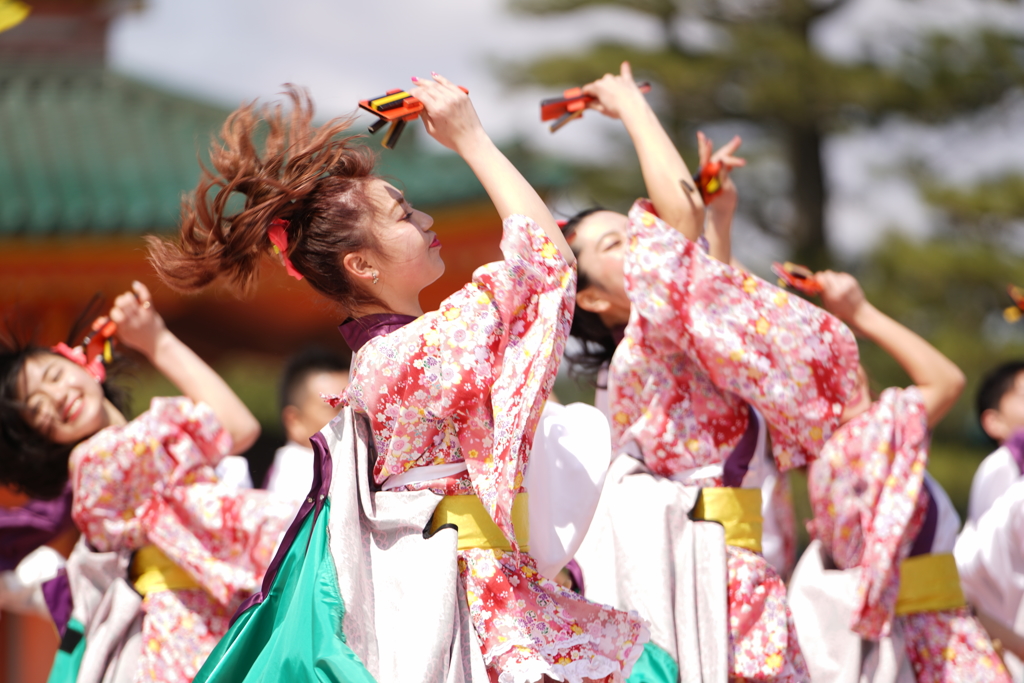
600, 245
62, 401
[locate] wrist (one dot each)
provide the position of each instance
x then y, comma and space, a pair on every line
161, 348
474, 143
863, 317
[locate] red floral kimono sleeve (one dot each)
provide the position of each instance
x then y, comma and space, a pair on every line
485, 361
866, 493
793, 361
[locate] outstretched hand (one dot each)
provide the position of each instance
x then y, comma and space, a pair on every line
448, 115
138, 324
615, 94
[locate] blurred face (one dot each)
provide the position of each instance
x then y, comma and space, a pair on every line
62, 401
600, 242
1000, 424
409, 257
309, 417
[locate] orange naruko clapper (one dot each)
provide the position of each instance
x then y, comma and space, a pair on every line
797, 277
708, 181
396, 107
571, 105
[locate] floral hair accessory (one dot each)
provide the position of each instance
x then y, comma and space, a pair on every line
279, 238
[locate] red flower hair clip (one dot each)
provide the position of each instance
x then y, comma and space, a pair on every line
279, 238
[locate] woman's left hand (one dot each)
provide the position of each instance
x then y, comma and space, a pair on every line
449, 116
727, 198
139, 326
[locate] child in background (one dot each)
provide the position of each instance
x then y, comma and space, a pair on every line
306, 376
877, 511
146, 488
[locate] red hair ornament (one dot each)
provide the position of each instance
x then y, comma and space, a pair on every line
95, 350
279, 238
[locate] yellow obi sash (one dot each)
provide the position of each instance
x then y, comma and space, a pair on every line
929, 583
152, 571
738, 510
476, 528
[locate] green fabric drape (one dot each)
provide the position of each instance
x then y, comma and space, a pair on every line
295, 633
654, 666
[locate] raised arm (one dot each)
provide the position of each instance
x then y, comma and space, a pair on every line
938, 378
669, 182
452, 121
140, 327
721, 211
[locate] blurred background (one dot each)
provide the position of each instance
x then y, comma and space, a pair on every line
885, 137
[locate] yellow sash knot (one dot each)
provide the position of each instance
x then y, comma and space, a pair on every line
929, 583
476, 528
152, 571
738, 510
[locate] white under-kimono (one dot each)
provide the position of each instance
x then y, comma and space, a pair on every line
990, 558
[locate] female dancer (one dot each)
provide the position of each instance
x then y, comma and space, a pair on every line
702, 345
877, 510
452, 396
146, 487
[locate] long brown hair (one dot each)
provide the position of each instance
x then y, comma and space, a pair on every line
313, 177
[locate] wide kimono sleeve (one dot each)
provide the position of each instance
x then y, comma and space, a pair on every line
793, 361
486, 360
867, 493
120, 470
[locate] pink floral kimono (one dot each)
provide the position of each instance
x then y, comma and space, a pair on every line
461, 389
705, 342
871, 512
151, 482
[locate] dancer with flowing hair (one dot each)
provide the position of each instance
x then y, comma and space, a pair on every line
145, 496
445, 402
704, 362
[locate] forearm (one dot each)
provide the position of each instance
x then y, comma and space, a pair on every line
939, 379
669, 182
719, 234
509, 191
198, 381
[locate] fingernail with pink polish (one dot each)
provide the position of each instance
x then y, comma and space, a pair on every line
415, 80
434, 73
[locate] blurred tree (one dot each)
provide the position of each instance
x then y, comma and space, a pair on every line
755, 60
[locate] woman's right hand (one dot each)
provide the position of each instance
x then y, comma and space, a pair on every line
841, 295
448, 116
616, 94
139, 326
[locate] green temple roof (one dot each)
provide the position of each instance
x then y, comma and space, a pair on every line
90, 152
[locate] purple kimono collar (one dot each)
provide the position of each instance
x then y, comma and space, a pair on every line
358, 331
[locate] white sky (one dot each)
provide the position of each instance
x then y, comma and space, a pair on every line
228, 51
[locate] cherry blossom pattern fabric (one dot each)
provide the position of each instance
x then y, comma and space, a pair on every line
467, 383
152, 481
869, 502
705, 339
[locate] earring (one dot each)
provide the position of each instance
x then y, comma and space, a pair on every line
375, 278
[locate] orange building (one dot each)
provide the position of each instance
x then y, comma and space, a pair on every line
90, 161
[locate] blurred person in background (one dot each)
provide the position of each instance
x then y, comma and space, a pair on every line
307, 375
144, 494
990, 549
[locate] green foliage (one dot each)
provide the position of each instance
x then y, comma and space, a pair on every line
762, 69
951, 292
991, 204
